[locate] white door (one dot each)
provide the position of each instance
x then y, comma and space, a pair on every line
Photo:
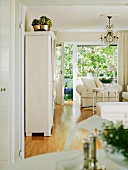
4, 80
60, 73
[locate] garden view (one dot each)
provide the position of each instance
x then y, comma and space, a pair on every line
94, 59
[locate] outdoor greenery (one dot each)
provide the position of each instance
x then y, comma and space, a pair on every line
68, 61
95, 59
116, 136
58, 61
98, 58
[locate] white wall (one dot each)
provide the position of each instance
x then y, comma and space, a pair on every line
89, 38
28, 21
80, 37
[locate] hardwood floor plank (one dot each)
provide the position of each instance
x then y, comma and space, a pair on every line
65, 118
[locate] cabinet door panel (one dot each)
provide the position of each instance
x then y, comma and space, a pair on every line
38, 84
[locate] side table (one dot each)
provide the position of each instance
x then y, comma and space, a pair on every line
103, 91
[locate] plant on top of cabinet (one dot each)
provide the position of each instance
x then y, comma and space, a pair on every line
36, 24
45, 23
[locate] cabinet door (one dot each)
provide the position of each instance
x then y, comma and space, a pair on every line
38, 84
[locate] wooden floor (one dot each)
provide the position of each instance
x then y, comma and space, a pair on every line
65, 118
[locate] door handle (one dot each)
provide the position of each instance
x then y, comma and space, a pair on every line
3, 89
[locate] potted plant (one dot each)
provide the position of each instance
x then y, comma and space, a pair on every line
36, 24
114, 138
106, 80
45, 23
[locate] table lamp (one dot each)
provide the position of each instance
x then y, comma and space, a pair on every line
111, 67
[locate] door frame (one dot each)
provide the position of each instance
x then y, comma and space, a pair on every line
18, 131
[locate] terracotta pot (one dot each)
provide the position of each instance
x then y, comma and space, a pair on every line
36, 27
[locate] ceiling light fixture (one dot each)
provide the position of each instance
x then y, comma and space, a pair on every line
109, 36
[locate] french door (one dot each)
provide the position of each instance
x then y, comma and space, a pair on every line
59, 73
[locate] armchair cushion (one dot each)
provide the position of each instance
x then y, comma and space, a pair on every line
81, 88
88, 83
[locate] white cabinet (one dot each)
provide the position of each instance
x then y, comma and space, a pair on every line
39, 107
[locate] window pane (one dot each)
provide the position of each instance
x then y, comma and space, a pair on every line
96, 59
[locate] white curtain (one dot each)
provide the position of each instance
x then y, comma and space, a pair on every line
123, 59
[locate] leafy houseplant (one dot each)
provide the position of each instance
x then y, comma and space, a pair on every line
106, 80
45, 22
115, 135
36, 24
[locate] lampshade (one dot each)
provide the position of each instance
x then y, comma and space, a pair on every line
111, 67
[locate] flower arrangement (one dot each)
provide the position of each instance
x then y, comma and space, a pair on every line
89, 69
115, 136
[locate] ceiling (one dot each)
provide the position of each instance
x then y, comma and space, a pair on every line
81, 16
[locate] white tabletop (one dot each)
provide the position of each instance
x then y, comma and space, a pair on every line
48, 161
104, 89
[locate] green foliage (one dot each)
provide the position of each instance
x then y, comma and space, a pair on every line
116, 136
35, 22
96, 57
45, 21
68, 61
42, 21
99, 57
106, 80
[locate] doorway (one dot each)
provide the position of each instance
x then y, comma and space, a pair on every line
64, 72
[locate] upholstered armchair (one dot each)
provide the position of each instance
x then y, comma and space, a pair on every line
86, 93
125, 95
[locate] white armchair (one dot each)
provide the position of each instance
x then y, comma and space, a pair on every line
125, 95
86, 93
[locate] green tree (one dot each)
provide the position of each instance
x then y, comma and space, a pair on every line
68, 61
97, 56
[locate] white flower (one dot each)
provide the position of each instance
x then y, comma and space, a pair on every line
111, 135
89, 69
117, 137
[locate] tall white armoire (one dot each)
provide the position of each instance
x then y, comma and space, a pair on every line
39, 108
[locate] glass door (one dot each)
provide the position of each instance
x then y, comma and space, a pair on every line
59, 73
68, 72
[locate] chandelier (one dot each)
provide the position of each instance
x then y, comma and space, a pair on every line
109, 36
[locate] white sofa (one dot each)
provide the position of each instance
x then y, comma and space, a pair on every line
125, 95
85, 91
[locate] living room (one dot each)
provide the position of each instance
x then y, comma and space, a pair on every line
82, 37
89, 36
